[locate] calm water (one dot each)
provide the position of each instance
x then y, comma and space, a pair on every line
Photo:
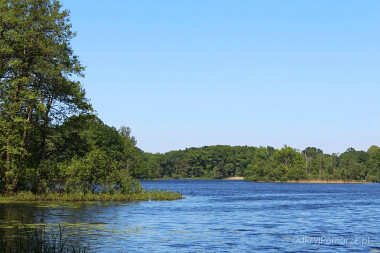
221, 216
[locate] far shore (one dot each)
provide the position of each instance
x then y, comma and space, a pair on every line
302, 181
319, 181
310, 181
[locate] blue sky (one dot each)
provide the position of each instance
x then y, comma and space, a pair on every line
191, 73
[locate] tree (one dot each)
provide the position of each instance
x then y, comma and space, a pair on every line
37, 90
373, 149
321, 164
291, 162
310, 153
352, 164
129, 150
374, 166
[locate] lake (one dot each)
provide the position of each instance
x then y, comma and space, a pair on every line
219, 216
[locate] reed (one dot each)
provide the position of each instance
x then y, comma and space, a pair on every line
81, 196
38, 240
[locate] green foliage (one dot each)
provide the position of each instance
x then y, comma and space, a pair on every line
38, 240
264, 164
280, 165
206, 162
101, 164
49, 139
373, 173
353, 165
36, 89
103, 196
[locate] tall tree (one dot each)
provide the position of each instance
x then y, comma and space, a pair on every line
37, 89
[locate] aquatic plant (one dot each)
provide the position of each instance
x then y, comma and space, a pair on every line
89, 196
37, 239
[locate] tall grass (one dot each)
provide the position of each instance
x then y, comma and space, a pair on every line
38, 240
81, 196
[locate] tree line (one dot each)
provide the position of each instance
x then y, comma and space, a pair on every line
262, 164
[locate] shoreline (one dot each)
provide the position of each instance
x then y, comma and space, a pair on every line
233, 178
302, 181
317, 181
154, 195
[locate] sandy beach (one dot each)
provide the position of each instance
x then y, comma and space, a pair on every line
234, 178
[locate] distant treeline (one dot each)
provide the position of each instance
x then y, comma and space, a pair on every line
261, 164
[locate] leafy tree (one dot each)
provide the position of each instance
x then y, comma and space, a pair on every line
218, 171
98, 172
352, 164
36, 86
310, 154
288, 156
372, 150
374, 166
258, 169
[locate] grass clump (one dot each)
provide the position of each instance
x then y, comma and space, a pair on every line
38, 240
91, 196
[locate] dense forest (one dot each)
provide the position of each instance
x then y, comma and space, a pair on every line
50, 137
262, 164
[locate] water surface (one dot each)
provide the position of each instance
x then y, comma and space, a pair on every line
220, 216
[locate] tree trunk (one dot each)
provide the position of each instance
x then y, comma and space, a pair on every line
8, 163
30, 110
44, 131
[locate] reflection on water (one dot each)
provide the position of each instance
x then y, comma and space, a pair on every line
218, 216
